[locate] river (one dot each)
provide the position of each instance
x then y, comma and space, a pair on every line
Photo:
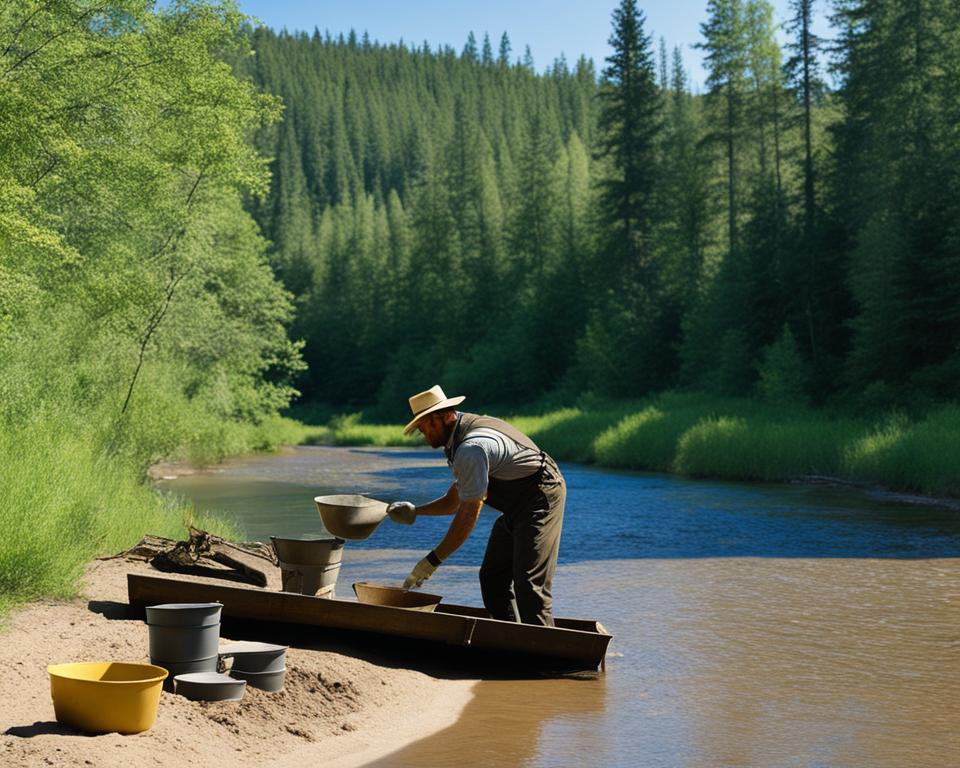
754, 625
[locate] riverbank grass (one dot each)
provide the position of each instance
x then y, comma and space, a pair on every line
64, 501
729, 438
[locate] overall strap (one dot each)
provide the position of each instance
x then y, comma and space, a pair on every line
467, 422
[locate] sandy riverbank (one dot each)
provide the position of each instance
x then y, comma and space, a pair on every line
335, 709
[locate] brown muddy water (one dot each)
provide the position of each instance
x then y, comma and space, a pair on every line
754, 625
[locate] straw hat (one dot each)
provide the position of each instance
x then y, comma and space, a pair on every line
428, 402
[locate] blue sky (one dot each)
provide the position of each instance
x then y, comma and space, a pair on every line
550, 27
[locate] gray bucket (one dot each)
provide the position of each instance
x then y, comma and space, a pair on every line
255, 657
184, 632
265, 681
183, 668
184, 643
318, 580
209, 686
184, 614
308, 550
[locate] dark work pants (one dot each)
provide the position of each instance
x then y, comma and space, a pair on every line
522, 550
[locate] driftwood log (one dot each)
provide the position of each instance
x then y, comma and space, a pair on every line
205, 554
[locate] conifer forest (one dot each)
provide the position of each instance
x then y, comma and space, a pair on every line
459, 216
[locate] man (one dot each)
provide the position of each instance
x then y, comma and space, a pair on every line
494, 463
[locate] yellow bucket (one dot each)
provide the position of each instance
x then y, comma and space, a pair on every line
106, 696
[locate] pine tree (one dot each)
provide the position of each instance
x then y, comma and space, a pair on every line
803, 74
726, 58
535, 228
503, 59
470, 52
628, 126
664, 77
621, 347
685, 197
487, 57
528, 58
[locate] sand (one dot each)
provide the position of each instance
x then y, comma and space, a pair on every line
336, 710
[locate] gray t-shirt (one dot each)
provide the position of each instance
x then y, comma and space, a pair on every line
487, 453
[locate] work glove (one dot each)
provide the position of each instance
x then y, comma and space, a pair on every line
422, 571
402, 512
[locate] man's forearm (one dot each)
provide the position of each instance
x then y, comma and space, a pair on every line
447, 504
460, 528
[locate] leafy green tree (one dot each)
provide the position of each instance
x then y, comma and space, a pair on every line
126, 258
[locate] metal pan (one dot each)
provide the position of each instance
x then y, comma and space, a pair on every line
265, 681
395, 597
255, 657
350, 516
209, 686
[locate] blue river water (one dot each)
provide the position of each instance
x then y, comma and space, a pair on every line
767, 625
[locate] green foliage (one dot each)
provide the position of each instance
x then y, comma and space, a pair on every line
732, 372
782, 372
897, 193
648, 438
139, 318
628, 126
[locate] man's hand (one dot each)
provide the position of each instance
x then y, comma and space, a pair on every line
402, 512
422, 571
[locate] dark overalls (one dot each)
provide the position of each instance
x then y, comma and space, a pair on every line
521, 555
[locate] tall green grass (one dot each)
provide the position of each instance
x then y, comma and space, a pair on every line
570, 434
737, 439
744, 449
922, 455
63, 502
73, 488
351, 430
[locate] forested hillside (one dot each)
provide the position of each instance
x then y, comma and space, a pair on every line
455, 216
